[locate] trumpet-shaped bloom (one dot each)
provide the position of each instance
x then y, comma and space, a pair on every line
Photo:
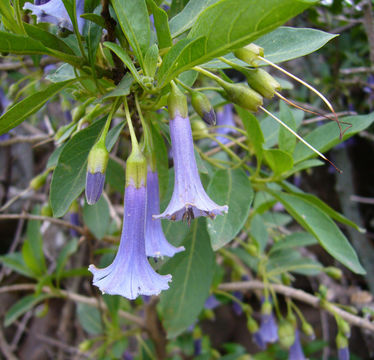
296, 351
268, 331
130, 274
156, 244
54, 12
94, 186
225, 118
343, 353
189, 199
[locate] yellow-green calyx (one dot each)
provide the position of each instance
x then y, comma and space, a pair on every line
286, 333
136, 169
341, 341
243, 96
262, 82
98, 158
38, 181
252, 325
203, 107
177, 102
249, 54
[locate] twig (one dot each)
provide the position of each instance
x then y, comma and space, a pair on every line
357, 70
24, 139
320, 118
28, 63
43, 218
362, 199
72, 296
298, 295
369, 27
5, 348
230, 144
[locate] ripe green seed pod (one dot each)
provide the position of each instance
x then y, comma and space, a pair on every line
203, 107
262, 82
286, 333
242, 95
249, 54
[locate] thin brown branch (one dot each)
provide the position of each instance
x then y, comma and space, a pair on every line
298, 295
24, 139
369, 27
5, 348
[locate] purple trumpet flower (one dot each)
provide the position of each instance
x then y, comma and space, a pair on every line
225, 118
130, 274
54, 12
189, 199
268, 331
236, 306
94, 186
211, 303
156, 244
343, 353
296, 351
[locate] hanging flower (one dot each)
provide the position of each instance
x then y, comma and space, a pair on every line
268, 331
225, 118
189, 199
54, 12
156, 244
130, 274
296, 351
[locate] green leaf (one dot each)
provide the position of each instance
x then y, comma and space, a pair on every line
192, 272
68, 180
90, 319
97, 19
22, 306
286, 43
150, 60
232, 188
94, 33
28, 106
122, 54
134, 20
185, 19
69, 249
326, 136
96, 217
46, 38
32, 249
160, 18
225, 26
62, 73
258, 232
323, 228
278, 160
286, 140
8, 17
297, 239
53, 159
15, 262
115, 176
123, 88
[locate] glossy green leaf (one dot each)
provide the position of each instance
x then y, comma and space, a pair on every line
15, 262
278, 160
123, 88
258, 232
22, 306
326, 136
62, 73
225, 26
32, 249
90, 319
122, 54
94, 33
134, 20
294, 240
232, 188
323, 228
160, 18
286, 43
115, 176
96, 217
286, 140
69, 177
185, 19
150, 60
8, 17
192, 272
30, 105
177, 6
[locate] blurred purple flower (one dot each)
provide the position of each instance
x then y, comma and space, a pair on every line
74, 220
225, 118
236, 306
211, 303
197, 346
296, 351
94, 186
268, 331
156, 244
189, 199
343, 353
127, 355
130, 274
54, 12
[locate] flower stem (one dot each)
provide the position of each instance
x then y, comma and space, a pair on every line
134, 140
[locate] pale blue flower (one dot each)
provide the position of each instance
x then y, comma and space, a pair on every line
296, 351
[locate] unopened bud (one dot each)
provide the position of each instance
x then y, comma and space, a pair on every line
242, 95
344, 328
199, 126
286, 334
252, 325
308, 330
95, 177
341, 341
38, 181
85, 345
262, 82
78, 112
46, 210
286, 280
203, 107
333, 272
252, 250
249, 54
266, 308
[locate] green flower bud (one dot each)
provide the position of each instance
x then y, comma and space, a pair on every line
242, 95
344, 328
262, 82
199, 127
341, 341
308, 330
177, 102
46, 210
78, 112
286, 280
252, 250
323, 291
98, 158
209, 314
333, 272
203, 107
252, 325
266, 308
38, 181
286, 333
85, 345
249, 54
